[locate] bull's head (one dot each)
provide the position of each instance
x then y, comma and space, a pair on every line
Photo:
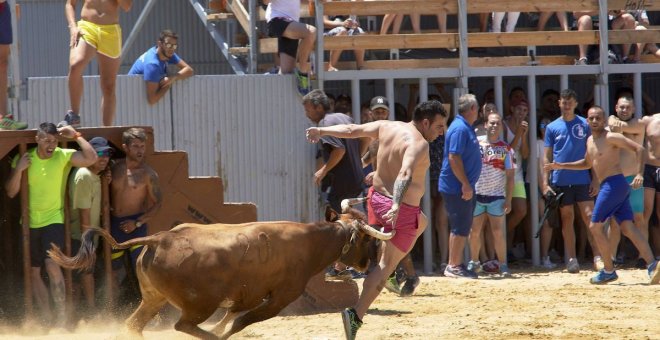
362, 243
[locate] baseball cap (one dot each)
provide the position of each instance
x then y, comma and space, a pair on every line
379, 102
100, 144
520, 102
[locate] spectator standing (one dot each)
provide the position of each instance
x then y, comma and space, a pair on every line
283, 23
135, 194
461, 166
47, 168
566, 141
152, 65
7, 121
494, 191
97, 33
85, 205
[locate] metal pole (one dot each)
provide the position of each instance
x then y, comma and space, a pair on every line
25, 228
563, 81
137, 27
426, 199
499, 101
462, 81
254, 41
355, 101
389, 93
639, 96
68, 277
533, 171
601, 89
320, 66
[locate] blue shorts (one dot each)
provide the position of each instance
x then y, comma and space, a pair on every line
636, 197
613, 200
459, 213
494, 208
5, 25
120, 236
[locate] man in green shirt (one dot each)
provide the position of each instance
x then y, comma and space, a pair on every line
85, 196
47, 168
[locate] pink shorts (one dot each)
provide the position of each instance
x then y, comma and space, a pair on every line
406, 222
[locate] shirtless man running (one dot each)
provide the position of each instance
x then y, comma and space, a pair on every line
97, 33
603, 154
136, 195
625, 122
399, 183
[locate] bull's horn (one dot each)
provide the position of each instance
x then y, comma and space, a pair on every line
346, 203
371, 231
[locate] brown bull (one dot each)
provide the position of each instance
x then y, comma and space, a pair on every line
253, 270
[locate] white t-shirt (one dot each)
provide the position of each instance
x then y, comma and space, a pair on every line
283, 9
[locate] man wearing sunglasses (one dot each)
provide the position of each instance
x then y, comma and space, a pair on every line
153, 66
85, 203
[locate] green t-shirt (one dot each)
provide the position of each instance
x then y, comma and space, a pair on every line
84, 193
46, 178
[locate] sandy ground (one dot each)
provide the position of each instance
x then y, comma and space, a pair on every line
533, 304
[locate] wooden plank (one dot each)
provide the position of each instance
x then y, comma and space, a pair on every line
384, 42
268, 45
633, 36
453, 62
220, 16
520, 61
241, 15
380, 7
239, 50
532, 39
649, 5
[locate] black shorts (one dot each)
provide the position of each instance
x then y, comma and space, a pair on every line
276, 28
5, 25
40, 240
573, 194
652, 177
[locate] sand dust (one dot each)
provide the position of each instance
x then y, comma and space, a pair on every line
534, 304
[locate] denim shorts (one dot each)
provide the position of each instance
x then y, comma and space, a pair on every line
494, 208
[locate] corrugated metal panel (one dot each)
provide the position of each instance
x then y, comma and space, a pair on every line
250, 130
46, 53
48, 100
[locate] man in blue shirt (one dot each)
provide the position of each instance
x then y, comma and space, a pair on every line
566, 141
461, 166
153, 66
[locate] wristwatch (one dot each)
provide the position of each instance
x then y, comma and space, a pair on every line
138, 224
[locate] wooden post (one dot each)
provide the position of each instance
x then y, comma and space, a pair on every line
25, 227
107, 251
68, 277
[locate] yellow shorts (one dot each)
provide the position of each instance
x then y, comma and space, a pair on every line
105, 38
519, 190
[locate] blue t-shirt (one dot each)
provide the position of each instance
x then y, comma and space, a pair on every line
151, 66
461, 140
568, 141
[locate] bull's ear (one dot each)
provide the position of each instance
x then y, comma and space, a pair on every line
330, 214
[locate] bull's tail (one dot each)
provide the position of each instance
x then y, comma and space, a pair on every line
86, 256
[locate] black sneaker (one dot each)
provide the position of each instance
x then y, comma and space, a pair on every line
72, 119
351, 323
410, 285
640, 264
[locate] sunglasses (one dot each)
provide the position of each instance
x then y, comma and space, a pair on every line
105, 153
171, 46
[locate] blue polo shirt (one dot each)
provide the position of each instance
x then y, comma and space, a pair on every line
461, 140
568, 141
149, 65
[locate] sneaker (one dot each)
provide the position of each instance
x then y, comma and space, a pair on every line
72, 119
573, 266
492, 267
582, 61
599, 264
474, 266
452, 50
410, 285
641, 264
351, 323
392, 284
602, 277
442, 268
302, 82
548, 264
654, 273
8, 123
335, 275
460, 272
504, 270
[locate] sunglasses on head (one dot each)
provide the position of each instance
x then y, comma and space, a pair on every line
105, 153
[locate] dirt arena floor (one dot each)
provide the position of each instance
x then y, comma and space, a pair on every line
531, 305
